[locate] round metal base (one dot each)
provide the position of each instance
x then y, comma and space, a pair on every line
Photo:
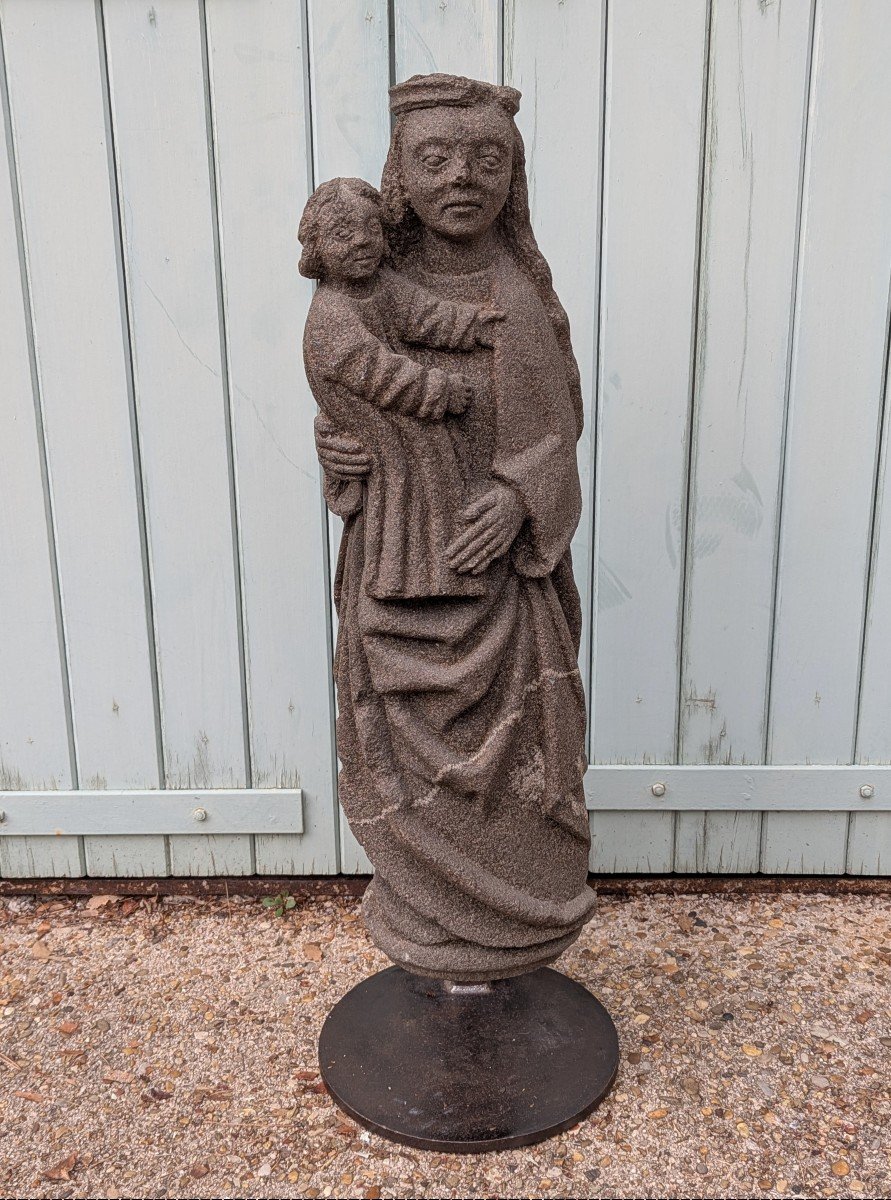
468, 1068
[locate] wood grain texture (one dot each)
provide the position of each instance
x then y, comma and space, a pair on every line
81, 347
34, 736
656, 57
350, 137
834, 409
260, 119
161, 131
552, 50
758, 84
458, 37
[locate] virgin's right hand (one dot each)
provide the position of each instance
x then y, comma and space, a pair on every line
341, 455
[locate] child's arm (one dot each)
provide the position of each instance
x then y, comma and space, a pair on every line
423, 319
339, 348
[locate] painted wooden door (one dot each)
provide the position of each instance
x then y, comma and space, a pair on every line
711, 184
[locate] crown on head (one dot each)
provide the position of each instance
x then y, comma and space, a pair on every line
429, 91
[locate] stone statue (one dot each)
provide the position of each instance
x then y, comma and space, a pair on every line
450, 404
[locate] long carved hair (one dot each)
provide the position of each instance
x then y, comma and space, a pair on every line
514, 227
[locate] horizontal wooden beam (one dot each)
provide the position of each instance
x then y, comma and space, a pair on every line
752, 789
231, 810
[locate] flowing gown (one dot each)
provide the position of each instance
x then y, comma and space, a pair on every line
461, 719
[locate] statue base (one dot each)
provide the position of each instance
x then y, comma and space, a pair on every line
465, 1068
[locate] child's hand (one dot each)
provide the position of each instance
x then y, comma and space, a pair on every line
461, 394
485, 320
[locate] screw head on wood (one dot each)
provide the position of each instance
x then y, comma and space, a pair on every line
867, 791
658, 789
200, 814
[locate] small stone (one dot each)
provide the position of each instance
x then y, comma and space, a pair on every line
657, 1114
820, 1081
751, 1050
766, 1183
701, 1169
840, 1167
634, 1057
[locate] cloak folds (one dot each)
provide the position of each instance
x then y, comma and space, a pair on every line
462, 718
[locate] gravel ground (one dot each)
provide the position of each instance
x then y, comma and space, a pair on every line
166, 1048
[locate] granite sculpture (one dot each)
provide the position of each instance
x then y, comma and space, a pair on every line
450, 407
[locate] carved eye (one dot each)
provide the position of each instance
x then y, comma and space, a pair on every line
433, 161
342, 233
491, 162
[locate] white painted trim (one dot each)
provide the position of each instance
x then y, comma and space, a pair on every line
756, 789
229, 810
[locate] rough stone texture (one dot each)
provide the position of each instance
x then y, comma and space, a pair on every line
450, 409
168, 1049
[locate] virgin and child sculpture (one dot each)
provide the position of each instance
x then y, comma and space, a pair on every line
450, 407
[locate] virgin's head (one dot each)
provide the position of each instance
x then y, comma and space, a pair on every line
455, 158
457, 167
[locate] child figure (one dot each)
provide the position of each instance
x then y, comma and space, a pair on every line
397, 408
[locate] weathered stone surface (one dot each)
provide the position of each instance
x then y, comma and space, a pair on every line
450, 407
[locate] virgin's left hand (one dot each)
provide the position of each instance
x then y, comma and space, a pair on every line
493, 522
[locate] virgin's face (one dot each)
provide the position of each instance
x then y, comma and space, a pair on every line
456, 167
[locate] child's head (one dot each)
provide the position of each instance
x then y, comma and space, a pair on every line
341, 231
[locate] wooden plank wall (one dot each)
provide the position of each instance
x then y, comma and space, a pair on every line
711, 183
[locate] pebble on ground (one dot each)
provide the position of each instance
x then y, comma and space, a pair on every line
167, 1048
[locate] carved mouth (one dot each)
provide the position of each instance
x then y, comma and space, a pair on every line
465, 207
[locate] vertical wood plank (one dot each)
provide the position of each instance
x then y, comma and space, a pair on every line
869, 834
835, 399
627, 843
54, 48
350, 75
554, 51
656, 56
350, 137
258, 90
458, 37
34, 743
758, 83
161, 131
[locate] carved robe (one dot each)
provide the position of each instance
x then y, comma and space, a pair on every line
461, 719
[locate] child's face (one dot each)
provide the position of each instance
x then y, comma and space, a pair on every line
352, 242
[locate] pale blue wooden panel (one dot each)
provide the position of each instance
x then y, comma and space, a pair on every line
34, 735
459, 37
630, 843
869, 837
553, 51
349, 77
835, 400
351, 134
260, 121
758, 84
80, 340
869, 844
158, 102
652, 173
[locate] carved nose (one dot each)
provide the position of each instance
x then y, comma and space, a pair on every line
461, 173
